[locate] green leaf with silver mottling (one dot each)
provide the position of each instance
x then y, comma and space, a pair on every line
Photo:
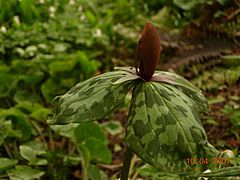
164, 128
92, 99
127, 78
183, 85
173, 78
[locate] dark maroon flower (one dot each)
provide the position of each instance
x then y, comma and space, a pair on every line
148, 52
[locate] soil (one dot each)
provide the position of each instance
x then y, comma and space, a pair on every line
221, 131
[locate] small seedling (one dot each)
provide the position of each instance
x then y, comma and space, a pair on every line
163, 127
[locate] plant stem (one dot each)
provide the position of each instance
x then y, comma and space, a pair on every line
126, 164
133, 160
85, 162
7, 149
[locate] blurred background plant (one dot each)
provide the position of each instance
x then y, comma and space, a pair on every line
47, 46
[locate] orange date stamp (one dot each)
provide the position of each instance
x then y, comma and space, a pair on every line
204, 161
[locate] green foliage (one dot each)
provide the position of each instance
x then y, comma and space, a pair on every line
88, 138
151, 172
31, 150
218, 77
43, 54
6, 164
25, 172
90, 100
224, 172
234, 115
163, 126
26, 10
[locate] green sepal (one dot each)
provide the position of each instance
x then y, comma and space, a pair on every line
92, 99
164, 128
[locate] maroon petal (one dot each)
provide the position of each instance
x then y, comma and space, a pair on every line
148, 52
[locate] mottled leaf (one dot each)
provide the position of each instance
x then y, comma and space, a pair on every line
173, 78
91, 99
183, 85
130, 70
164, 126
127, 78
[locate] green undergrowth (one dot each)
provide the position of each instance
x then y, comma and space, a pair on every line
43, 54
226, 74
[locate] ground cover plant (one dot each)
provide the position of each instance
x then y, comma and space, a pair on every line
47, 47
163, 126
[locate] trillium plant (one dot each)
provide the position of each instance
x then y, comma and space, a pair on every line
163, 126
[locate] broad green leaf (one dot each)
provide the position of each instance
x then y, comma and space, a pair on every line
72, 160
22, 95
31, 150
27, 153
37, 147
172, 78
25, 172
66, 130
98, 150
91, 99
6, 163
184, 86
40, 114
164, 126
93, 172
28, 107
89, 130
5, 128
20, 122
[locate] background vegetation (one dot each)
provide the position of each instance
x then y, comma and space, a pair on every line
47, 46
